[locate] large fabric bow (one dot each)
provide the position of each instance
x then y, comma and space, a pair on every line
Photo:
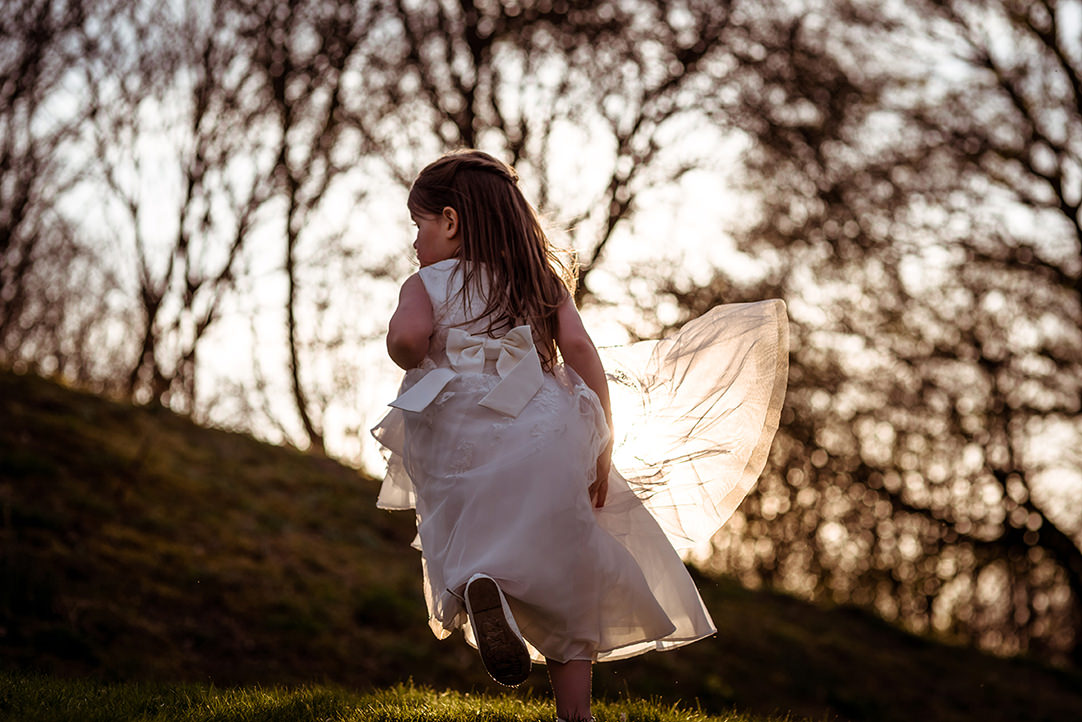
517, 364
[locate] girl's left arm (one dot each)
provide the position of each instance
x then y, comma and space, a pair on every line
411, 326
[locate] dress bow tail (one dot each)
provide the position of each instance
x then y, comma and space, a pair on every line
425, 391
520, 373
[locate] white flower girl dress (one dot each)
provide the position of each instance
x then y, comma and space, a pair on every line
496, 455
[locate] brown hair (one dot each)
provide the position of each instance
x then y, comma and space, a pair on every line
501, 234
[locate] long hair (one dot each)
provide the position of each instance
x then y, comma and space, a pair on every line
501, 238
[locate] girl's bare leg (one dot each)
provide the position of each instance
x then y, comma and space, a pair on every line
571, 688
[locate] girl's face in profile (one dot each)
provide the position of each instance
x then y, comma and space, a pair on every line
437, 237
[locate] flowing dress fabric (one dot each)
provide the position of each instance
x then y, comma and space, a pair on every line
507, 496
696, 414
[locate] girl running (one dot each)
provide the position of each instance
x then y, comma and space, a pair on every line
502, 437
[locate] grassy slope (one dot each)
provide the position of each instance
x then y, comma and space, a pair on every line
26, 698
135, 545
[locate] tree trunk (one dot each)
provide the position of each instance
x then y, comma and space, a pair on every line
315, 437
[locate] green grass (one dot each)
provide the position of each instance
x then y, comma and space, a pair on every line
136, 546
36, 699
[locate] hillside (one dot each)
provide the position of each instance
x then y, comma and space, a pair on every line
135, 545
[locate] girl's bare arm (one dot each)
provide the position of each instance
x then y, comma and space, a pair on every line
411, 325
579, 352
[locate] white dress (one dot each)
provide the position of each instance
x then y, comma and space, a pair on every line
504, 492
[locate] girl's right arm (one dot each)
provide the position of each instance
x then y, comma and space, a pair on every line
411, 325
579, 352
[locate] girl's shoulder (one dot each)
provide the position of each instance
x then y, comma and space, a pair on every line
440, 280
446, 283
446, 278
440, 269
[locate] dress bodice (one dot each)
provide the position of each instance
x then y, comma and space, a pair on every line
453, 305
463, 344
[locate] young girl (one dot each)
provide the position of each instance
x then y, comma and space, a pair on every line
502, 436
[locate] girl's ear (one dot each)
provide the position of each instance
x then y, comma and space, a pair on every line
450, 222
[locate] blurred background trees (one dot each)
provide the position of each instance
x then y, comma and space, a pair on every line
171, 200
41, 258
202, 207
923, 167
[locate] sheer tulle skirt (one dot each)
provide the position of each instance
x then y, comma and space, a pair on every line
697, 413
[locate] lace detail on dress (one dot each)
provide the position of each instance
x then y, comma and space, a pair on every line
462, 458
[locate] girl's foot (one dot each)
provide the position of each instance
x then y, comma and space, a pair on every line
502, 648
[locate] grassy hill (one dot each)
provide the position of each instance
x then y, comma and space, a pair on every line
137, 546
28, 698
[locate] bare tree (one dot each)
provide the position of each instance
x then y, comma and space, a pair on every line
39, 44
304, 55
166, 95
911, 152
